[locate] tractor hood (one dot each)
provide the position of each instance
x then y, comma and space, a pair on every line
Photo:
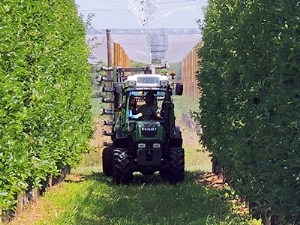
148, 131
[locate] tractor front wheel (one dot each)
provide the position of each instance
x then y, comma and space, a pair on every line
175, 171
122, 173
107, 160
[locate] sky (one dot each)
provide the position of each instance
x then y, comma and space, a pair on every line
111, 14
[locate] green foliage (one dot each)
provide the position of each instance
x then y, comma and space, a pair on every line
249, 111
45, 92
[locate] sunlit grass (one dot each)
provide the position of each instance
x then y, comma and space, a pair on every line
196, 159
148, 200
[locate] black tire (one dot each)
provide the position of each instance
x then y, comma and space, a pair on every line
122, 173
175, 171
178, 89
107, 161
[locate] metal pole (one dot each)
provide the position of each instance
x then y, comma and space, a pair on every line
109, 63
109, 52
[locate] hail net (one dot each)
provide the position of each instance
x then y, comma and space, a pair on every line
144, 10
150, 46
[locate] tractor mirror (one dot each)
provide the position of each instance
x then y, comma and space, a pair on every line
178, 88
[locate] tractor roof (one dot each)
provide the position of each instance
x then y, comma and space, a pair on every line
147, 81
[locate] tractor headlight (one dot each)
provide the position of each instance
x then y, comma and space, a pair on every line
164, 83
131, 83
141, 145
156, 145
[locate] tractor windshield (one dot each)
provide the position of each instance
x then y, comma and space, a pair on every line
144, 104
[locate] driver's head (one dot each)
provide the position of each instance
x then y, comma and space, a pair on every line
149, 98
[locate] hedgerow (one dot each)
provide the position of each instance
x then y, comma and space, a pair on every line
250, 105
45, 120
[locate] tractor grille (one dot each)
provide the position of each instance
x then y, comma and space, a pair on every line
149, 130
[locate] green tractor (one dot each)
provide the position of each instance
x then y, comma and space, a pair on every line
142, 143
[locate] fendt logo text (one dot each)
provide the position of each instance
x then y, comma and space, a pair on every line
149, 128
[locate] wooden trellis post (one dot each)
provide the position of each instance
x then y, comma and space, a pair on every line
189, 68
121, 59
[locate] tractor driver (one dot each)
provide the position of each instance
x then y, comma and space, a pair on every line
149, 110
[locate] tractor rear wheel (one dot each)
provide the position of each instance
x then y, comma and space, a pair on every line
107, 160
175, 171
122, 173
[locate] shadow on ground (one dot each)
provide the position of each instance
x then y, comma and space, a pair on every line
149, 200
